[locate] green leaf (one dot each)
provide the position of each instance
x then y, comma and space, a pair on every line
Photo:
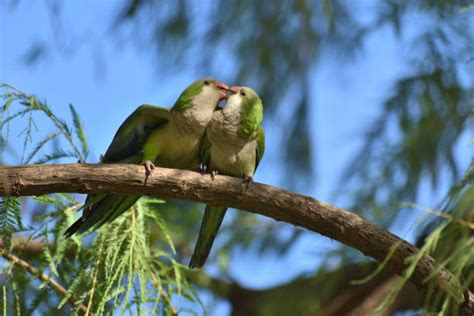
143, 205
10, 219
19, 113
79, 130
40, 145
58, 154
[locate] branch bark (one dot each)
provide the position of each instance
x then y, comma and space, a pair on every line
281, 205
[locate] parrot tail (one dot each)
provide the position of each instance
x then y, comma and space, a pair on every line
105, 209
211, 222
73, 228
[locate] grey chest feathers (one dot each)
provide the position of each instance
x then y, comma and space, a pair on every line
230, 154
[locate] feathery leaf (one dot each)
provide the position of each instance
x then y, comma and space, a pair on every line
79, 130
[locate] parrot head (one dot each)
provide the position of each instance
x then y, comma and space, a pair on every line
213, 88
202, 94
244, 98
246, 102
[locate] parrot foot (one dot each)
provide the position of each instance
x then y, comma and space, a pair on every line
149, 167
247, 182
202, 168
214, 173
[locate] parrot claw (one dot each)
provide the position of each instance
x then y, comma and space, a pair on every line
247, 182
214, 173
202, 168
149, 167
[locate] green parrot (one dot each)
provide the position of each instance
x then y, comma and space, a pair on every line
233, 145
153, 135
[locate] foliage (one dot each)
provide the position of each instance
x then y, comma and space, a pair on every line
431, 112
411, 140
29, 105
10, 219
125, 268
413, 136
448, 237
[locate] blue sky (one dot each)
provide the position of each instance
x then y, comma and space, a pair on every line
107, 88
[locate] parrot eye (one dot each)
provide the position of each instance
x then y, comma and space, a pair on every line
242, 93
206, 82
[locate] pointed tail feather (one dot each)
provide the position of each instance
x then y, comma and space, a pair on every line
211, 222
122, 204
97, 214
73, 228
101, 208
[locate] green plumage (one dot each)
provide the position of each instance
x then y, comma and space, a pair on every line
168, 138
211, 222
251, 115
134, 131
234, 145
185, 99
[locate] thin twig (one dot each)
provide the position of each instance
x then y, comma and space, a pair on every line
94, 280
440, 214
50, 115
165, 296
43, 277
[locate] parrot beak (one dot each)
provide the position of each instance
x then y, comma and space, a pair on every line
234, 89
222, 86
223, 90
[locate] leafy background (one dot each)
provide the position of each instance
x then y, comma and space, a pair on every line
368, 105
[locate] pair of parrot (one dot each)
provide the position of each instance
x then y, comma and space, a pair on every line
194, 134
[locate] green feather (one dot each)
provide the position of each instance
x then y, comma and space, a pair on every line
185, 100
134, 131
213, 217
251, 114
260, 146
144, 135
249, 129
204, 152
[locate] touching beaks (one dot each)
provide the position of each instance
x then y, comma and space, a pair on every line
223, 90
222, 86
234, 89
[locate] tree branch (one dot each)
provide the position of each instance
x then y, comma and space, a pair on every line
281, 205
43, 277
341, 298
